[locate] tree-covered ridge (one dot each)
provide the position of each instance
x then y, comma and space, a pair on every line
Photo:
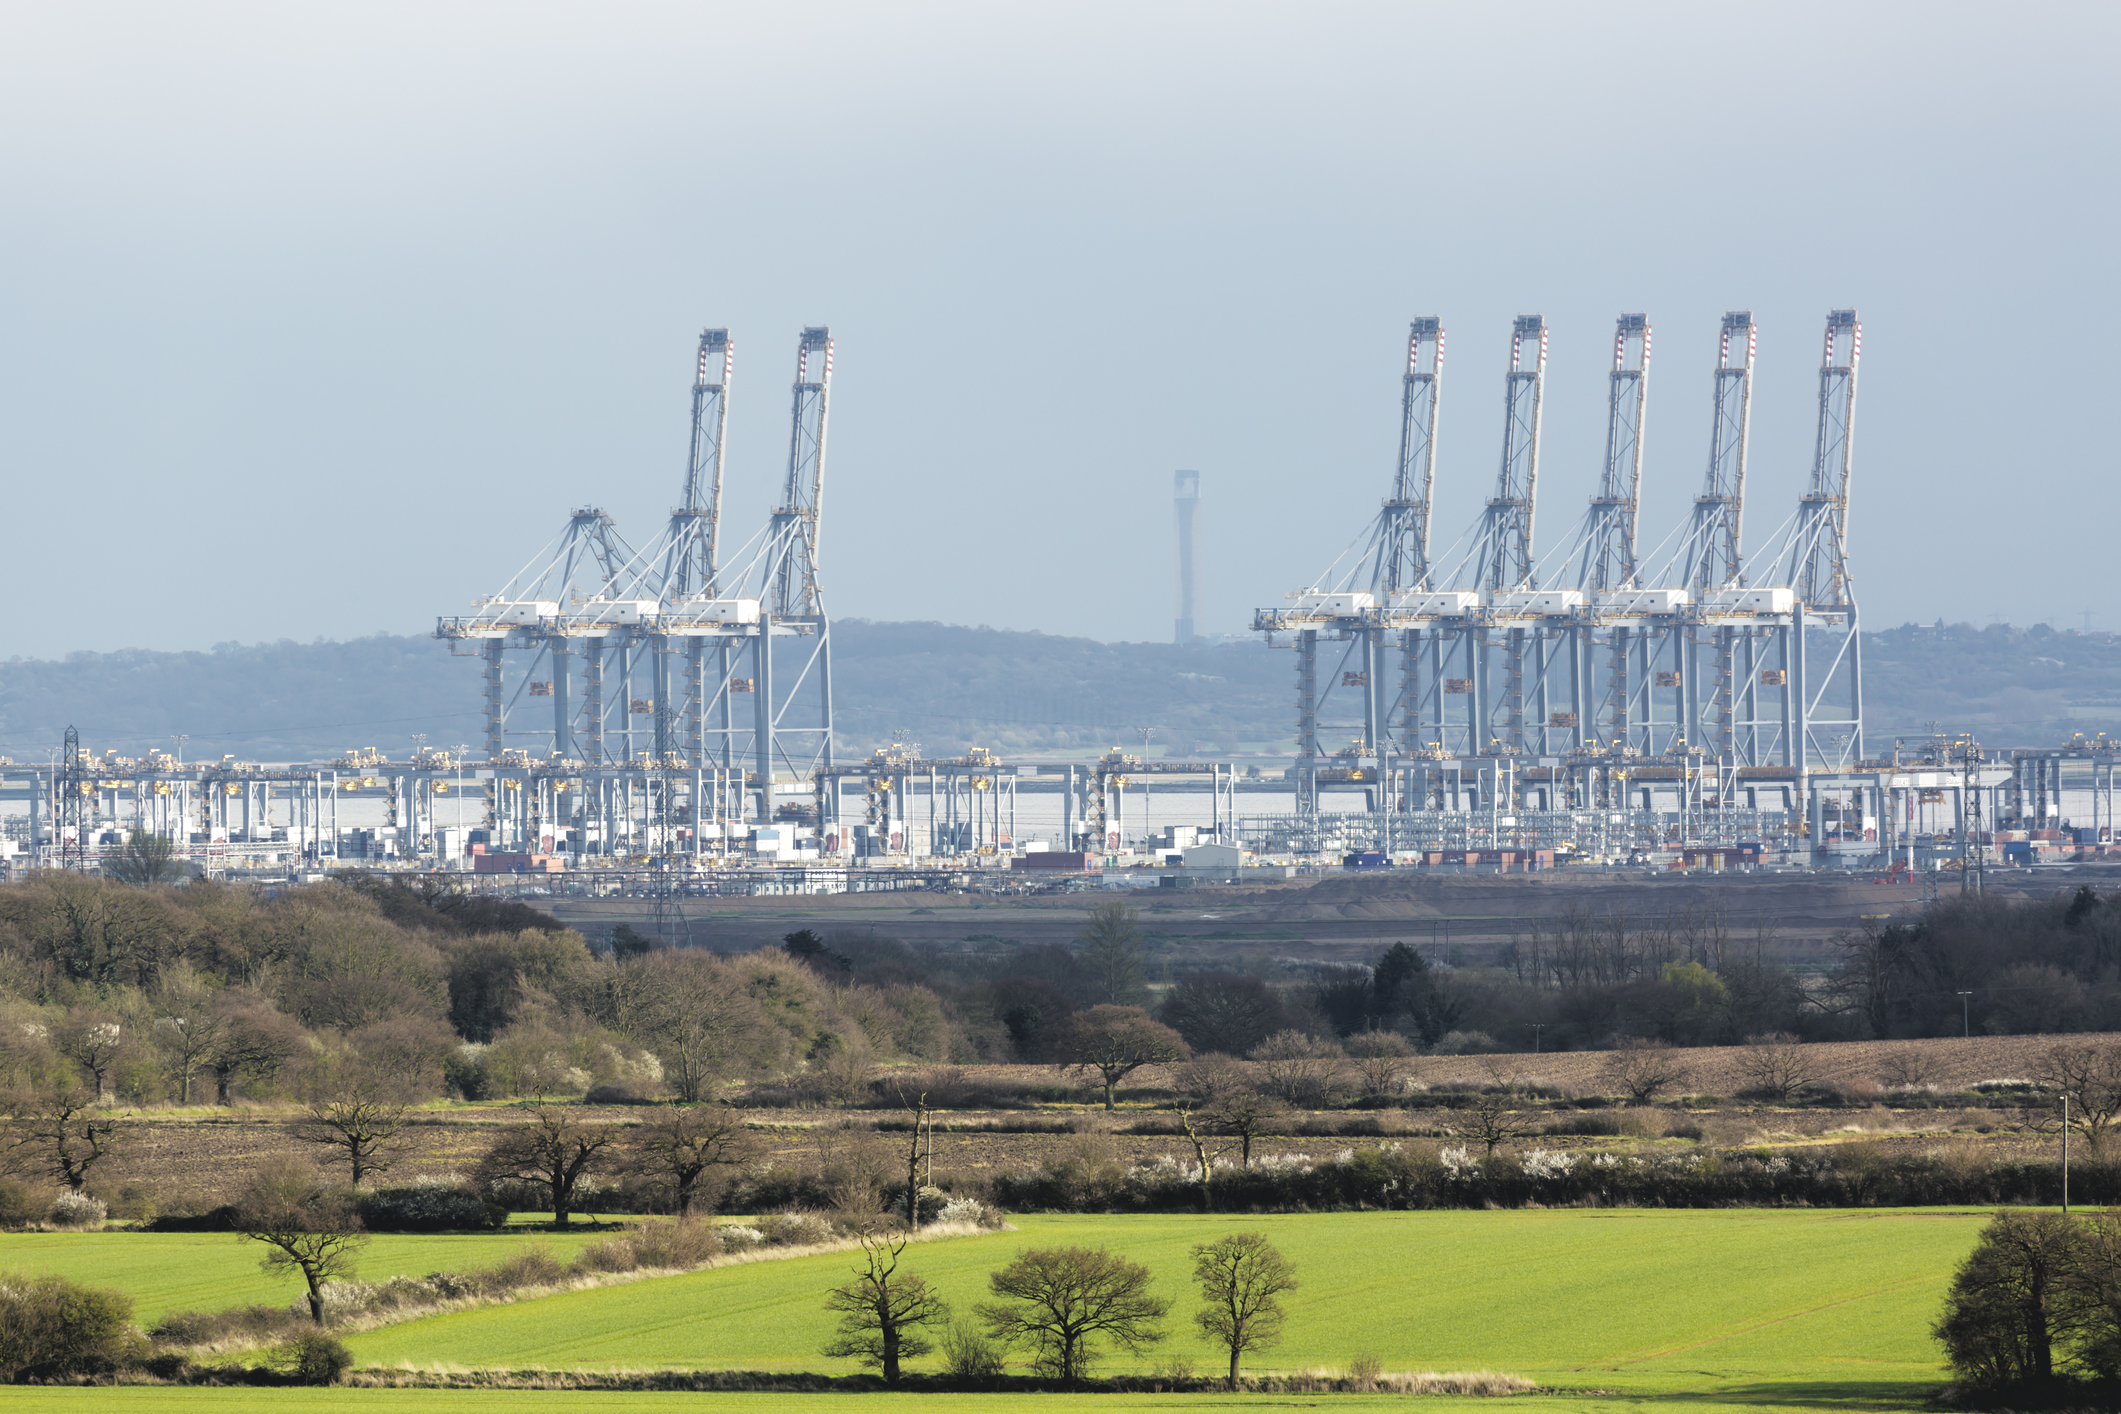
947, 687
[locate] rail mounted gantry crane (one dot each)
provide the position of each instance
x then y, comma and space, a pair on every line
691, 567
794, 602
1818, 560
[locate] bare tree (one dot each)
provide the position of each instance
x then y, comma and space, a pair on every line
360, 1114
1242, 1278
59, 1132
1191, 1125
2089, 1077
1116, 1041
557, 1148
923, 1146
1245, 1115
1778, 1064
189, 1029
693, 1011
1211, 1075
1493, 1116
92, 1040
306, 1228
1112, 952
682, 1144
1382, 1062
1065, 1298
882, 1312
1908, 1068
1640, 1068
1303, 1070
144, 859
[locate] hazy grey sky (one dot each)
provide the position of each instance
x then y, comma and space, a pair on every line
318, 320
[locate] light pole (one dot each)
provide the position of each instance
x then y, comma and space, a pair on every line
1965, 1016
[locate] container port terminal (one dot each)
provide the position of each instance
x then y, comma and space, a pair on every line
664, 715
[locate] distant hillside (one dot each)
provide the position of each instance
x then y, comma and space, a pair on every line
950, 687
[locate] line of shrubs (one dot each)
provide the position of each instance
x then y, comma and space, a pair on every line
1417, 1175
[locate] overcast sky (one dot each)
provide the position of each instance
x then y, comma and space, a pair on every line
317, 321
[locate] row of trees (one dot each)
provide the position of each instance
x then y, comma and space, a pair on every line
1059, 1302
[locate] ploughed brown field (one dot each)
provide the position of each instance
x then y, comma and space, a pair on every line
207, 1158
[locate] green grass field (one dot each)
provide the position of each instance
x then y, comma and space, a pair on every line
211, 1271
1801, 1310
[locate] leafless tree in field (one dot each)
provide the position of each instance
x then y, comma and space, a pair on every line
1641, 1068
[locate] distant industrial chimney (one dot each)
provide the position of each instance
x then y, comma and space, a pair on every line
1185, 490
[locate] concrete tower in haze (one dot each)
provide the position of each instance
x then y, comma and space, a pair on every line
1185, 488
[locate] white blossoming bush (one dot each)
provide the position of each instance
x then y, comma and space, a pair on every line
1542, 1165
740, 1236
1459, 1165
78, 1210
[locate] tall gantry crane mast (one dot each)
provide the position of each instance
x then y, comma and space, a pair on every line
1505, 560
1608, 562
1715, 557
1819, 569
1403, 530
793, 602
689, 565
1506, 535
1609, 541
691, 557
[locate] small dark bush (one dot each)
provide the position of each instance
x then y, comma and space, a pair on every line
251, 1323
677, 1245
620, 1094
1684, 1129
533, 1266
221, 1219
23, 1203
429, 1207
315, 1358
1585, 1124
